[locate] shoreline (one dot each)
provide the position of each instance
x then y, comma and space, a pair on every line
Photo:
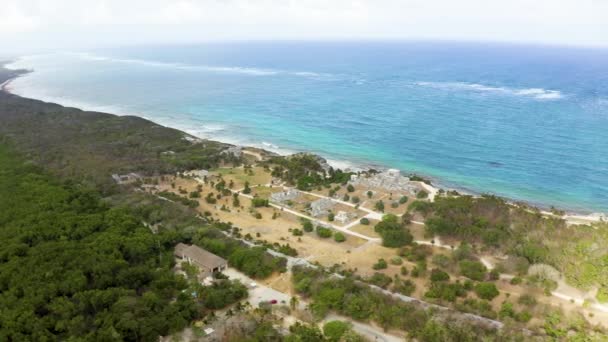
572, 216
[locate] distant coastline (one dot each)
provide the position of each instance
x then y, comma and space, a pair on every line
574, 216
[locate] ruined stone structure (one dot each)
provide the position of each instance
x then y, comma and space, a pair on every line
284, 196
321, 207
390, 180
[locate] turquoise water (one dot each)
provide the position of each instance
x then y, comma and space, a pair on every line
529, 123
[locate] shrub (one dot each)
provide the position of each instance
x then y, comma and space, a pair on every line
506, 310
523, 316
515, 281
422, 194
369, 194
257, 202
324, 232
422, 207
334, 330
439, 275
416, 252
403, 200
355, 199
364, 221
602, 294
297, 232
195, 194
247, 189
379, 206
441, 260
330, 217
350, 188
445, 291
210, 199
403, 270
486, 290
380, 280
473, 270
307, 226
396, 261
339, 237
392, 232
405, 287
380, 265
527, 300
479, 307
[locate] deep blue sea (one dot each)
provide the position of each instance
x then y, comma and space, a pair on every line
526, 122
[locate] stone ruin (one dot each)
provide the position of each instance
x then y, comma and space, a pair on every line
321, 207
127, 178
197, 173
284, 196
390, 180
237, 151
344, 217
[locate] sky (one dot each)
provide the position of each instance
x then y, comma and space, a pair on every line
29, 25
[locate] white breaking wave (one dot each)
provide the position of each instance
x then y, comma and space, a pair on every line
537, 93
208, 68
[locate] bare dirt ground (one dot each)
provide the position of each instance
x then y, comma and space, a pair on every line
367, 230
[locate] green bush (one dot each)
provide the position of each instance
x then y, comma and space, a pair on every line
515, 281
486, 290
473, 270
364, 221
393, 233
380, 280
403, 200
527, 300
441, 260
324, 232
422, 194
439, 275
246, 189
405, 287
334, 330
445, 291
350, 188
396, 261
602, 294
258, 202
307, 226
339, 237
380, 265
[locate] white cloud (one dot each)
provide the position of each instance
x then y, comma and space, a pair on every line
37, 23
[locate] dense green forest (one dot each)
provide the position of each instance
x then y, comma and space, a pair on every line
73, 267
91, 146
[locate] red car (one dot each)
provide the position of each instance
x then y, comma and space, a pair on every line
274, 301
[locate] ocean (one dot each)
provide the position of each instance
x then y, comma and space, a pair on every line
525, 122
